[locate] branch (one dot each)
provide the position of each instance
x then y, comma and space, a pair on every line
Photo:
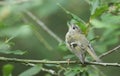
109, 52
15, 60
13, 2
41, 24
103, 64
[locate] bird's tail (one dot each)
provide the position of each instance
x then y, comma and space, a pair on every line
91, 51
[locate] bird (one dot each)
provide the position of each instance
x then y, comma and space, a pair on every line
78, 44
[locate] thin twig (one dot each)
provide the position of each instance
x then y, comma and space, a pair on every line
109, 52
13, 2
103, 64
40, 23
49, 71
15, 60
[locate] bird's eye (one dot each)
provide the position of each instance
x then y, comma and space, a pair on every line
74, 27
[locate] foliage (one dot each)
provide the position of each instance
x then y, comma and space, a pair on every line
7, 70
32, 71
19, 34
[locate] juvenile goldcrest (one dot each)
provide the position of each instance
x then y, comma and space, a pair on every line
78, 44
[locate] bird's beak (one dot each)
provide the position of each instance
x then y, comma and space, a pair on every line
69, 24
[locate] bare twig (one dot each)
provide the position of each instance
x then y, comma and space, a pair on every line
109, 52
15, 60
49, 71
40, 23
13, 2
103, 64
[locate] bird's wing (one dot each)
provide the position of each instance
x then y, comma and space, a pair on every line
78, 51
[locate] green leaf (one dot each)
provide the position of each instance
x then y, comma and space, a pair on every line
72, 15
16, 52
75, 19
2, 25
100, 10
85, 73
94, 5
48, 75
94, 71
32, 71
76, 70
62, 46
99, 24
70, 73
110, 19
4, 46
7, 70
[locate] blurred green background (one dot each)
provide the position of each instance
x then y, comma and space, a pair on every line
19, 32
